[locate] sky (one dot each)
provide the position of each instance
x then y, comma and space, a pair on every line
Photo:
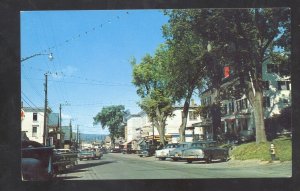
91, 66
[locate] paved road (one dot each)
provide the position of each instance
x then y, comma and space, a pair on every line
115, 166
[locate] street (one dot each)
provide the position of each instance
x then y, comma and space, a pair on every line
116, 166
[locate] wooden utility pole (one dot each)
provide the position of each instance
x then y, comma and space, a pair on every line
45, 111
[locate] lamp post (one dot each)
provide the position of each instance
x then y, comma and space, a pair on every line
45, 133
50, 56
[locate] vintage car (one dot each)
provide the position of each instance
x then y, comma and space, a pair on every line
63, 159
36, 162
86, 154
205, 150
164, 153
147, 151
98, 153
176, 154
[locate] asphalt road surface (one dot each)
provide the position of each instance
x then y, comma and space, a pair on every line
116, 166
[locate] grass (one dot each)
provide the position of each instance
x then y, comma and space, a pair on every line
261, 151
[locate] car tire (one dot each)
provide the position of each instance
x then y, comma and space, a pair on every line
175, 159
189, 160
163, 158
208, 159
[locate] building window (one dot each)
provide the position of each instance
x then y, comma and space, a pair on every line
273, 68
35, 116
231, 107
284, 100
192, 116
209, 100
224, 109
266, 85
34, 131
245, 101
204, 101
266, 102
283, 85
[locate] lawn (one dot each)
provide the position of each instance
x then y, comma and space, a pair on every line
261, 151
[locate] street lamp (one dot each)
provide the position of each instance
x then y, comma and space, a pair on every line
45, 133
50, 56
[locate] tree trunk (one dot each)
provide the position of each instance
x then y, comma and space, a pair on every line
162, 135
259, 117
185, 112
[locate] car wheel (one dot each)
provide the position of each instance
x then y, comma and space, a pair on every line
189, 160
162, 158
225, 159
208, 159
80, 159
175, 159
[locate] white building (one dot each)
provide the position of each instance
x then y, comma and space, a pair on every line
237, 114
33, 123
139, 126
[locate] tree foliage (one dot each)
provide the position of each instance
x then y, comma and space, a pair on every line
242, 38
111, 117
185, 72
148, 77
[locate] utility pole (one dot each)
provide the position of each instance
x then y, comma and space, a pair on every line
59, 129
77, 138
45, 111
71, 130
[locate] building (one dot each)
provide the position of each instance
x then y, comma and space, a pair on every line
237, 114
139, 127
33, 123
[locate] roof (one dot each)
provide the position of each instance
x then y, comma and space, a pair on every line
35, 109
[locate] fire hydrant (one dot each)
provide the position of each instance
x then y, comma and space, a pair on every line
272, 151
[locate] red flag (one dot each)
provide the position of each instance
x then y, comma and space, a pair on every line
226, 71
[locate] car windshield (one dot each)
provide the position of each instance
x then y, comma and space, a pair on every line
199, 145
170, 146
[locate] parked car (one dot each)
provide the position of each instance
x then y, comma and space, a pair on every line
63, 159
86, 154
176, 154
164, 153
36, 161
147, 151
98, 153
205, 150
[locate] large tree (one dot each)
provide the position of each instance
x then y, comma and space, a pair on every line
112, 117
148, 77
185, 72
248, 38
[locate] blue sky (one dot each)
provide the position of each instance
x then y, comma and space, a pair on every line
91, 51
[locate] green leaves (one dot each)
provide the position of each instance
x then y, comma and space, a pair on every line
112, 117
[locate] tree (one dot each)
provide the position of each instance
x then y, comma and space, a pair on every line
185, 72
248, 38
148, 77
112, 117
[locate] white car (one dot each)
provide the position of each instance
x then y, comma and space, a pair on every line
165, 152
